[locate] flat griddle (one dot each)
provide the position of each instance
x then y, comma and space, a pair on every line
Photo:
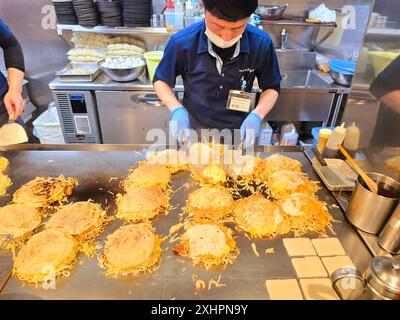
245, 279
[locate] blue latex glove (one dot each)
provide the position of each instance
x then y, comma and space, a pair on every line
180, 124
250, 129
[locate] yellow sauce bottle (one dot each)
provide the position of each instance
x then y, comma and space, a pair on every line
323, 137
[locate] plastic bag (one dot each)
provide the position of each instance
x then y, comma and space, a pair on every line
323, 14
47, 127
322, 63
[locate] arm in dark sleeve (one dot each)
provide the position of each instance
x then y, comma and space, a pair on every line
13, 55
171, 64
276, 88
268, 74
387, 81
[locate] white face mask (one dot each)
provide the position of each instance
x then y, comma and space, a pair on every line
221, 43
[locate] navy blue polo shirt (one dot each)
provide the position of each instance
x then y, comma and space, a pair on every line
207, 88
5, 33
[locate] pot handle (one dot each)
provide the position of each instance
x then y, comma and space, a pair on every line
346, 273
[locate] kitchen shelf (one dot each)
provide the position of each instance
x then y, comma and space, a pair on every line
108, 30
296, 22
383, 32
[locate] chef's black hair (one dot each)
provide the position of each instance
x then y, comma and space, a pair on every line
231, 10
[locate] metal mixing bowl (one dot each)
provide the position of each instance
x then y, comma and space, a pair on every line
341, 78
122, 75
271, 12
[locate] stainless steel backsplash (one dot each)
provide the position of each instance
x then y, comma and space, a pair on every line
45, 51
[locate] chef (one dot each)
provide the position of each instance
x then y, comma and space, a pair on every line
386, 88
219, 59
11, 102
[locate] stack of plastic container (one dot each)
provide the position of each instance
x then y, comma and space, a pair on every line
179, 15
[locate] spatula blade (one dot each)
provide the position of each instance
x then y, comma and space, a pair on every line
12, 133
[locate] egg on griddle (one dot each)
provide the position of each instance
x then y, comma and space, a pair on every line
208, 244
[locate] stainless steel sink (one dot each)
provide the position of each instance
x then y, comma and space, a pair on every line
296, 59
302, 79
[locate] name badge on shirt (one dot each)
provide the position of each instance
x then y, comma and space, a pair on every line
240, 100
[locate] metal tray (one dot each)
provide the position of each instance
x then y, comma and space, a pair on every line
342, 170
73, 72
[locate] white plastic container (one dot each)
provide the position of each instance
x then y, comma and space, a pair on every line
179, 14
352, 139
290, 139
179, 21
336, 138
265, 134
169, 18
289, 135
189, 9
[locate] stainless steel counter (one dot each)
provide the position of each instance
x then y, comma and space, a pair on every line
293, 80
133, 107
370, 160
244, 279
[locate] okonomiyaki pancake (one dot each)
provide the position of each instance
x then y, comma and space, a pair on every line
304, 213
258, 216
131, 249
282, 184
212, 174
19, 221
208, 244
142, 203
278, 162
43, 191
147, 174
244, 166
210, 202
49, 253
5, 182
174, 160
4, 163
83, 220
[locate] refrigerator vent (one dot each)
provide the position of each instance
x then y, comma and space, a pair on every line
66, 114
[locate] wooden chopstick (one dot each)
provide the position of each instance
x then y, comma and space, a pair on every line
370, 183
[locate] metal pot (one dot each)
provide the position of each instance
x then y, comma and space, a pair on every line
381, 281
369, 211
389, 238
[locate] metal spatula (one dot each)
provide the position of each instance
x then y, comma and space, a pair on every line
12, 133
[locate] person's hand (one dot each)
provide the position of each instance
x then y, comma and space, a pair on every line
250, 129
14, 103
180, 124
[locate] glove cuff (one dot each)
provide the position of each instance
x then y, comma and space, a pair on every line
177, 109
255, 114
